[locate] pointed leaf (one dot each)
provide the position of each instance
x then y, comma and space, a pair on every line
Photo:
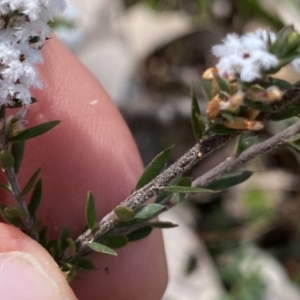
124, 214
35, 131
183, 182
161, 224
83, 263
295, 146
288, 112
70, 275
197, 124
243, 144
282, 84
223, 84
230, 180
16, 221
139, 233
163, 195
258, 105
17, 150
115, 240
30, 184
148, 211
249, 142
13, 212
90, 212
143, 213
35, 199
208, 88
71, 250
101, 248
7, 160
64, 236
154, 168
186, 190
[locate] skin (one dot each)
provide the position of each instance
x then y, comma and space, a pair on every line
92, 149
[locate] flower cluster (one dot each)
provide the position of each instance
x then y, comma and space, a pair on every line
250, 56
23, 31
241, 85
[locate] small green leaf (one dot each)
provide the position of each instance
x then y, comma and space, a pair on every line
281, 84
17, 151
13, 212
124, 214
7, 160
249, 142
71, 250
90, 212
64, 236
207, 87
115, 240
83, 263
258, 105
289, 112
197, 124
186, 190
31, 182
16, 221
35, 199
183, 182
148, 211
244, 144
35, 131
161, 224
143, 213
228, 116
139, 233
71, 274
229, 180
295, 146
154, 168
101, 248
223, 84
163, 195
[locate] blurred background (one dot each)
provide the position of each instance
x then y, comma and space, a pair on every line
243, 243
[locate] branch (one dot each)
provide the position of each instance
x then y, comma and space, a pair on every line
233, 162
192, 157
11, 175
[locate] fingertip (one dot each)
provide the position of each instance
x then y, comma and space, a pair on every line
27, 271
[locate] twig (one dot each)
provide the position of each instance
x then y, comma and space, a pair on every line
11, 175
192, 157
233, 162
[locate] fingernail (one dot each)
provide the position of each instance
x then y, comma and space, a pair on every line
23, 278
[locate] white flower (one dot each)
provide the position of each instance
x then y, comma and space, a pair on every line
24, 29
246, 56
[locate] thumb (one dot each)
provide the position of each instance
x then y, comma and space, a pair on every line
27, 271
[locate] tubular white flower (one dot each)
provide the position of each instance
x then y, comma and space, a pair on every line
246, 56
23, 30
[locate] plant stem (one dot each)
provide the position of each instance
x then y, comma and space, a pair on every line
192, 157
11, 175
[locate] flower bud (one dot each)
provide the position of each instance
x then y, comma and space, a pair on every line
213, 108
